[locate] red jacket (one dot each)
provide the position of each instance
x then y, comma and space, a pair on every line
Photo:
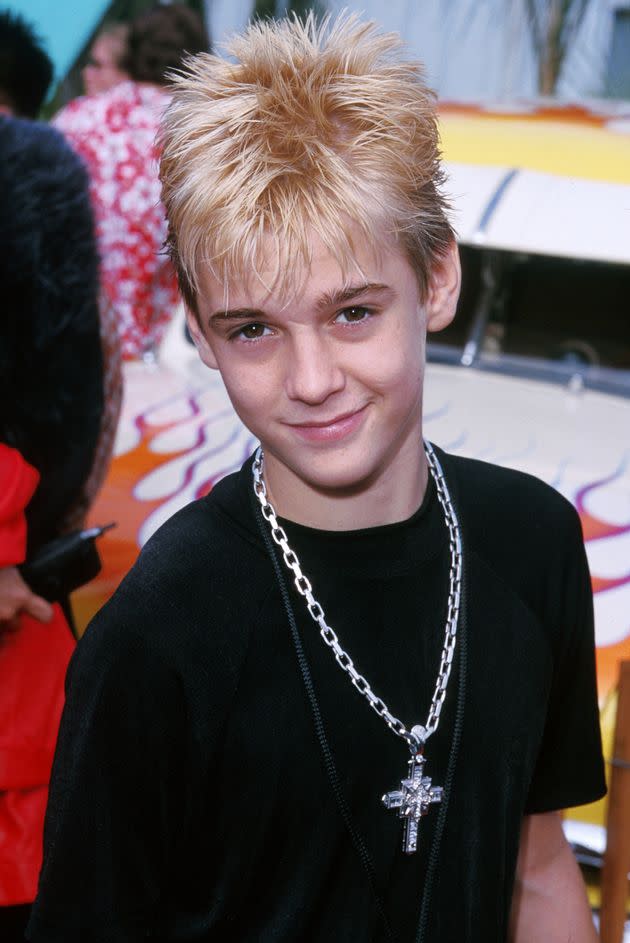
33, 662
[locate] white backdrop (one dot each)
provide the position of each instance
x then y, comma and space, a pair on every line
226, 16
472, 50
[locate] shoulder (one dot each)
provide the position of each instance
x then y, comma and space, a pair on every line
518, 530
35, 147
81, 114
79, 119
494, 499
199, 584
90, 120
127, 102
208, 536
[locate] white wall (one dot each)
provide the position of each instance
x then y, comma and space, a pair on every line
481, 49
472, 49
226, 16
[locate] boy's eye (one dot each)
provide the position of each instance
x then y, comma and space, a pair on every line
251, 332
352, 315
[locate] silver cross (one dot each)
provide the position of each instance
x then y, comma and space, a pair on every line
413, 800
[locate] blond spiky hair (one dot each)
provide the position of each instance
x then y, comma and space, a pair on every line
322, 127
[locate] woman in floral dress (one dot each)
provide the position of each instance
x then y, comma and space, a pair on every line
114, 132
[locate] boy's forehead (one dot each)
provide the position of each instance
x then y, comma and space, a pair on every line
272, 280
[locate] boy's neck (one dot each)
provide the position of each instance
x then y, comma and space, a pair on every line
394, 496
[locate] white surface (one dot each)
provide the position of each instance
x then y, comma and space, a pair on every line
585, 834
542, 213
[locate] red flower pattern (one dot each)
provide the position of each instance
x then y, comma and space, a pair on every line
114, 133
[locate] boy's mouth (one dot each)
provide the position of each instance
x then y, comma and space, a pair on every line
330, 430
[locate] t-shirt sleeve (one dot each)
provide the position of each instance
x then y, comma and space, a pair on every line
569, 770
116, 796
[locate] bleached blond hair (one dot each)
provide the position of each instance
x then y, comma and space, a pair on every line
314, 127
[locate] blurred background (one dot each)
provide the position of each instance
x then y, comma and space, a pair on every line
496, 49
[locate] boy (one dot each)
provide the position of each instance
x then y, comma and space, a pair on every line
220, 775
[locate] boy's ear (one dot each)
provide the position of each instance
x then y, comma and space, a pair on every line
443, 293
203, 347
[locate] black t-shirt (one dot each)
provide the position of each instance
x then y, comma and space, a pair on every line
219, 778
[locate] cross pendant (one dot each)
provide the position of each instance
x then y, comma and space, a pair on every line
413, 800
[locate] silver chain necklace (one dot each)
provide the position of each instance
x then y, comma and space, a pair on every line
416, 795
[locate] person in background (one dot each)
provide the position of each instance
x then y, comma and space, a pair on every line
114, 132
105, 66
25, 70
51, 402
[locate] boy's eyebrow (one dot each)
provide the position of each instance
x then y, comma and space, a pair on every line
328, 299
332, 299
237, 314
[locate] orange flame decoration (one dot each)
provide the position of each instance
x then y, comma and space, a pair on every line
596, 529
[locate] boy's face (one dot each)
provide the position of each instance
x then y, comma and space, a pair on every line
331, 381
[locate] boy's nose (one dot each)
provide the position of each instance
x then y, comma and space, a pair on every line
313, 373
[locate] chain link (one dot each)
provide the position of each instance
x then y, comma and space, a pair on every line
315, 610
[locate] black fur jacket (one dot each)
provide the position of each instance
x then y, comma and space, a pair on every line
51, 372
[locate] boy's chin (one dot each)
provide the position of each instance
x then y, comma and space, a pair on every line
331, 476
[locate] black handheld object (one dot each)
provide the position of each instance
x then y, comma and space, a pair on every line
64, 564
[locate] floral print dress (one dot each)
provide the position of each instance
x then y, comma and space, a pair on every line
114, 132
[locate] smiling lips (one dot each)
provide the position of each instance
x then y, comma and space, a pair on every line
331, 430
